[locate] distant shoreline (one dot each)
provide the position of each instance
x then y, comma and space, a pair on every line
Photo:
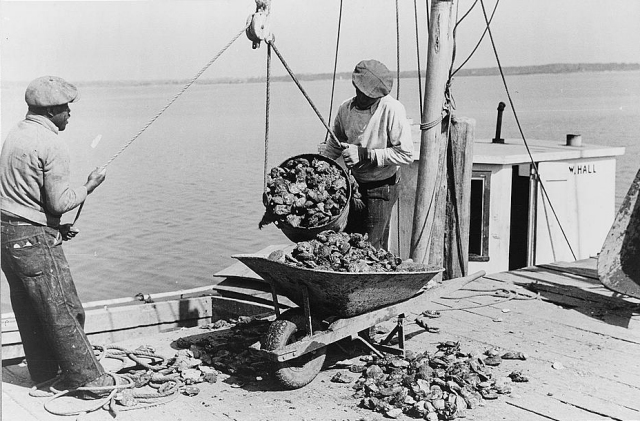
487, 71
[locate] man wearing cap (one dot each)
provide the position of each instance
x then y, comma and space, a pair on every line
375, 140
34, 193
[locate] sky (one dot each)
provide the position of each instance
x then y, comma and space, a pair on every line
171, 39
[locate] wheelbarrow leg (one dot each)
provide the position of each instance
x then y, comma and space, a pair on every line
274, 297
307, 309
398, 330
373, 348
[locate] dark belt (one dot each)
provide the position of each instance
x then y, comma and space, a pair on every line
379, 183
15, 220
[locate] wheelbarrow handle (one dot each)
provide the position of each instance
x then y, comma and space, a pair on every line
475, 275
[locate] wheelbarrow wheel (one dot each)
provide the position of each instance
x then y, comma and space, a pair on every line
298, 372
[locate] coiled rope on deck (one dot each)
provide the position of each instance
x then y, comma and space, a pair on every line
127, 393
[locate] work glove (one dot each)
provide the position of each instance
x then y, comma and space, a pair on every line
354, 154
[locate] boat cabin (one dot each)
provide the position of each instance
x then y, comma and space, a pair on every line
518, 219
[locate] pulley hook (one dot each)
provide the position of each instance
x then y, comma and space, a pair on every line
259, 24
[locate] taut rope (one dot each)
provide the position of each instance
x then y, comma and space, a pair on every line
185, 87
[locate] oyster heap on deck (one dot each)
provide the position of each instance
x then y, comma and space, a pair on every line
305, 194
433, 386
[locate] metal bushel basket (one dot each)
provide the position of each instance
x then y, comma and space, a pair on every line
336, 223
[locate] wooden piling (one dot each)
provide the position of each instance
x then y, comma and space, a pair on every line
429, 204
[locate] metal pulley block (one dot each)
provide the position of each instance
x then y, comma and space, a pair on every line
259, 24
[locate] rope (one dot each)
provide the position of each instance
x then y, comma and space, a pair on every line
146, 126
431, 125
293, 77
398, 201
191, 82
335, 68
428, 7
126, 385
428, 17
398, 50
467, 14
415, 12
481, 37
507, 294
533, 163
266, 124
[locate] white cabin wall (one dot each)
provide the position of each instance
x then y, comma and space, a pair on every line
582, 192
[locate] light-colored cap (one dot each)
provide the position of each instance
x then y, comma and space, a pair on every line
372, 78
48, 91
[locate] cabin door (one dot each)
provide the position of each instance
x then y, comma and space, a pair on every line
520, 238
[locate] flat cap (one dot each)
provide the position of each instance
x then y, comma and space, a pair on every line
372, 78
48, 91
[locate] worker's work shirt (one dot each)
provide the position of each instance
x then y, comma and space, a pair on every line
34, 173
383, 129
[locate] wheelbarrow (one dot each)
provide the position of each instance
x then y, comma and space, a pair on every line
338, 305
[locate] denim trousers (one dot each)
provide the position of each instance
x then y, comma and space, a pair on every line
46, 306
375, 217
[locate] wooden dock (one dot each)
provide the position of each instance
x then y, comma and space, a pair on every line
582, 343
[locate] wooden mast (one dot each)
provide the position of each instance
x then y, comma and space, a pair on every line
428, 223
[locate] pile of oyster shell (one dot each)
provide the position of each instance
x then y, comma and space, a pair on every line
438, 386
343, 252
231, 348
304, 193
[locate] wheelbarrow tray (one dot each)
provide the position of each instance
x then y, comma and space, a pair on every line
339, 294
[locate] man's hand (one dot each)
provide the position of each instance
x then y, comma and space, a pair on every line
322, 149
68, 231
353, 154
96, 178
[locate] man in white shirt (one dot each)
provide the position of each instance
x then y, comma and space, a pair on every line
375, 141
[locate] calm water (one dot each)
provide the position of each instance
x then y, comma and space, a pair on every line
186, 194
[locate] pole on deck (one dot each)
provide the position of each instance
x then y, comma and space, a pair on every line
430, 202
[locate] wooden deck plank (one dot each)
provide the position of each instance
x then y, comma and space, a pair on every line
583, 330
551, 409
600, 379
12, 410
525, 325
536, 398
580, 297
571, 385
581, 286
586, 371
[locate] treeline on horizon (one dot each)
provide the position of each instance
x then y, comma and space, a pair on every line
488, 71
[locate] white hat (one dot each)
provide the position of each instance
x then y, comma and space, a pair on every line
48, 91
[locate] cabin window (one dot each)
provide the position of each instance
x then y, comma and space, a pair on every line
479, 216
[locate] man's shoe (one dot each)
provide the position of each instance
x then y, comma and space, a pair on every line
102, 387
